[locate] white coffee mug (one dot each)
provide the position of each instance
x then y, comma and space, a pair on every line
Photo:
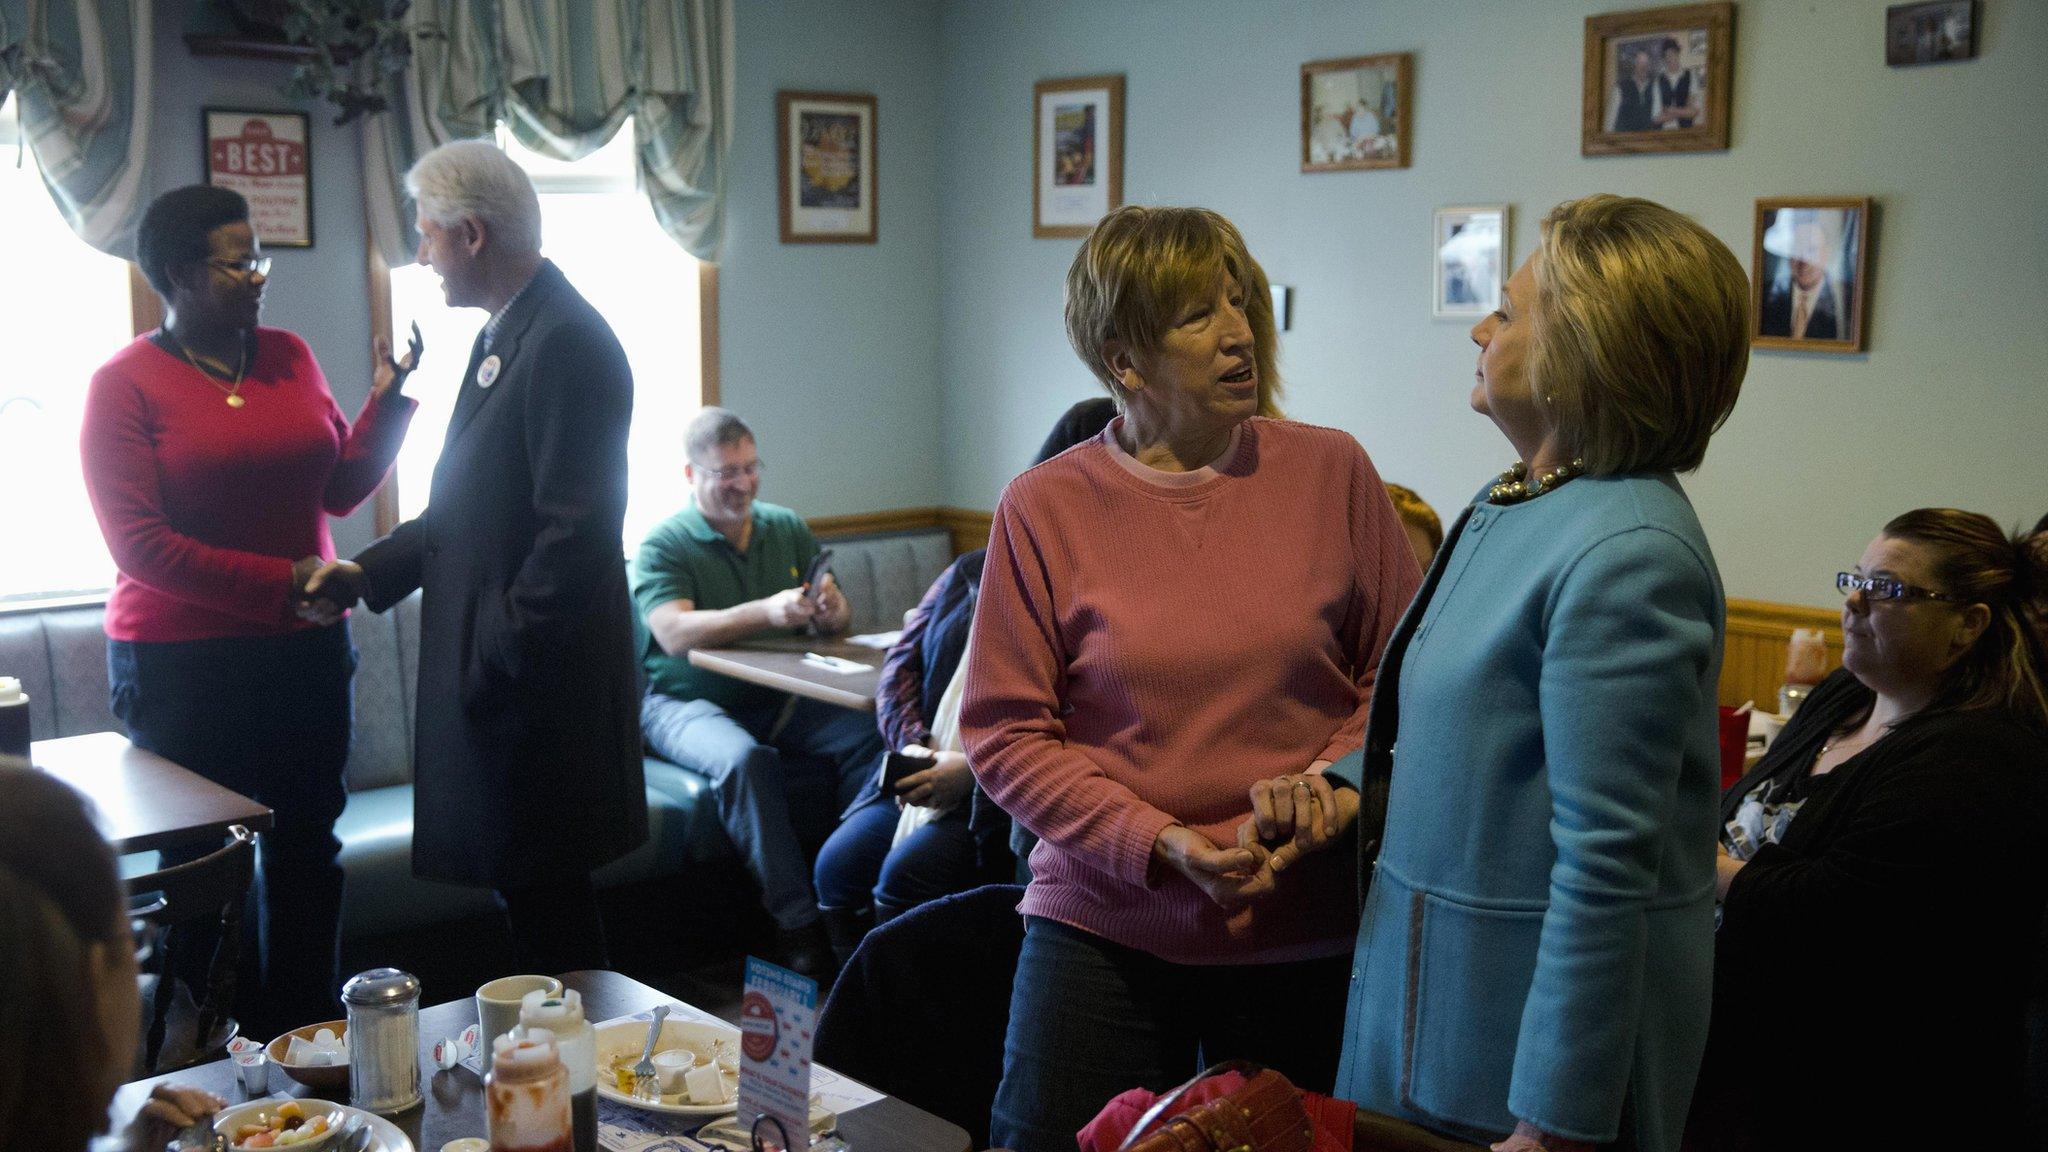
497, 1006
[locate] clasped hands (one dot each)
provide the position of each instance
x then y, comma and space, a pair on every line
1292, 816
324, 589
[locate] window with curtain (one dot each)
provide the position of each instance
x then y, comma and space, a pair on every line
64, 309
601, 231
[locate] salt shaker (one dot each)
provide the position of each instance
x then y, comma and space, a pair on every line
383, 1040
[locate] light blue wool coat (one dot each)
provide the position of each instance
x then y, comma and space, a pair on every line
1538, 936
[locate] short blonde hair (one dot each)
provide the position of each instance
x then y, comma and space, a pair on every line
1641, 334
1142, 267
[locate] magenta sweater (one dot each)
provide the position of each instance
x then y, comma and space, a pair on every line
1144, 651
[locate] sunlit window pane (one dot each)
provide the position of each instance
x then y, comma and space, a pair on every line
603, 236
63, 312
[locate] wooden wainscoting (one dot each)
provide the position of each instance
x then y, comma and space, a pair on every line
1753, 661
1752, 665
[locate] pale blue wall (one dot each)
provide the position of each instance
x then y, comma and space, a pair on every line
1949, 406
831, 350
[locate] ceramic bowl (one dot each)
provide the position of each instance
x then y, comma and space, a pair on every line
320, 1077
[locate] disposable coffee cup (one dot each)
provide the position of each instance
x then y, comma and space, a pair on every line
14, 729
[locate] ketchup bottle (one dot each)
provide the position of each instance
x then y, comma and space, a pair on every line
526, 1095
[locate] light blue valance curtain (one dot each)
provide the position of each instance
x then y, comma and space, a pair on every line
80, 73
565, 74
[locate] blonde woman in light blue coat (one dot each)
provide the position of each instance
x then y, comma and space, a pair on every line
1539, 784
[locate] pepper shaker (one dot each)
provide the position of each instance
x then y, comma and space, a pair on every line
383, 1040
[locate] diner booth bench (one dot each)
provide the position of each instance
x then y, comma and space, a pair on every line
60, 656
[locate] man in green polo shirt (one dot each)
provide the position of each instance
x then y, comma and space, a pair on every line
725, 569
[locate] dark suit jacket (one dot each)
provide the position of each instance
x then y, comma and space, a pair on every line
527, 742
1822, 325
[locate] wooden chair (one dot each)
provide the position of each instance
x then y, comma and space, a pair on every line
209, 890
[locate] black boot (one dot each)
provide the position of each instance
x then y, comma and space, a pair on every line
806, 951
845, 927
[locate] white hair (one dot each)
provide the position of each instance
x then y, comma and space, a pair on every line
476, 178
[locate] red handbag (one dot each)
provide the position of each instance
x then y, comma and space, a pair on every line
1265, 1115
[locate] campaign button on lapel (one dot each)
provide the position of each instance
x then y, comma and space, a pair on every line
487, 372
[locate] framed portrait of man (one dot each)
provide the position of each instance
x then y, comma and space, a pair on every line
1809, 286
1656, 80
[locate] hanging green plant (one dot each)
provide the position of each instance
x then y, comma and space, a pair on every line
357, 45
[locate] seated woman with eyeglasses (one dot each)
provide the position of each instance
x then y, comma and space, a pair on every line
1881, 872
69, 1014
214, 454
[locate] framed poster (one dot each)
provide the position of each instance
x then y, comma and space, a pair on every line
263, 155
1656, 80
1469, 243
1077, 153
1808, 289
1930, 33
826, 162
1354, 113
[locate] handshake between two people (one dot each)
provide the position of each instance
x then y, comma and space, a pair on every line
322, 590
1292, 817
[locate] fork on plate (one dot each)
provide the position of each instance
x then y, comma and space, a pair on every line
646, 1084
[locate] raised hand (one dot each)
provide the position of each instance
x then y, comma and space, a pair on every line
389, 375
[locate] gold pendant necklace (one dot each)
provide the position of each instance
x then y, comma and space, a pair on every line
233, 390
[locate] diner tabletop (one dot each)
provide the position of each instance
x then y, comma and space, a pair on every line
145, 802
454, 1104
784, 663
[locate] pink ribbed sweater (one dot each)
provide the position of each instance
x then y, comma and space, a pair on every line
1144, 651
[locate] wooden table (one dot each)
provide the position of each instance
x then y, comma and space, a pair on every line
455, 1099
145, 801
779, 663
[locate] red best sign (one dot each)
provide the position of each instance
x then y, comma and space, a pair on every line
257, 152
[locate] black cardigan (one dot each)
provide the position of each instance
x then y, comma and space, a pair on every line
1871, 970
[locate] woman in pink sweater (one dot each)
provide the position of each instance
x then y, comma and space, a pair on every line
1192, 602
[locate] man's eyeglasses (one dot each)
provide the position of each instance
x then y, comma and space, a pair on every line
245, 267
1876, 588
735, 472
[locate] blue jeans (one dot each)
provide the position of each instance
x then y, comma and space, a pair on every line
857, 868
753, 779
1090, 1019
268, 717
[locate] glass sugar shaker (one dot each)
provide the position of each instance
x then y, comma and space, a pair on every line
383, 1040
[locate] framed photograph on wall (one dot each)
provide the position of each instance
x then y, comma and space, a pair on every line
1469, 246
1077, 153
1808, 274
1354, 112
825, 162
1930, 33
263, 155
1656, 80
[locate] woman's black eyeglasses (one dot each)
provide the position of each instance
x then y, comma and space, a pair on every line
1882, 588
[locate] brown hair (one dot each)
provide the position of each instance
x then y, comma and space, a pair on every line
1641, 334
2008, 666
1142, 267
1416, 511
59, 895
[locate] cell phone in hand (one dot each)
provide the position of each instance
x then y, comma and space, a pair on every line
814, 576
897, 765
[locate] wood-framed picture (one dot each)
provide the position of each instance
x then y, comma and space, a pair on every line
1077, 153
1469, 243
1354, 112
825, 165
1657, 80
1930, 33
264, 156
1809, 283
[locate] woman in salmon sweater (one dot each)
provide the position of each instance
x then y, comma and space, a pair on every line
1191, 602
214, 454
